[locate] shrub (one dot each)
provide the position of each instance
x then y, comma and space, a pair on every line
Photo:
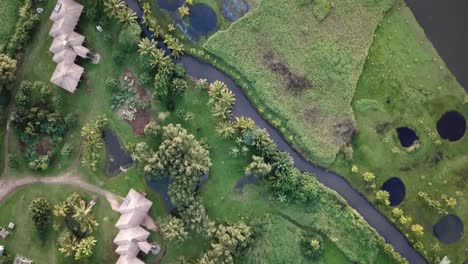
25, 25
312, 246
129, 37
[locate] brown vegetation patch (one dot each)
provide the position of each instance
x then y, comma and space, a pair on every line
142, 117
312, 113
44, 147
294, 82
344, 131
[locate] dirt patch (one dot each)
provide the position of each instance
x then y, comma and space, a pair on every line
142, 117
344, 131
294, 82
44, 147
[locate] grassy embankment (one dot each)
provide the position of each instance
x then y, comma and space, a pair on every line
406, 83
299, 71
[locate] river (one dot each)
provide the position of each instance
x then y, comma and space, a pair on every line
243, 107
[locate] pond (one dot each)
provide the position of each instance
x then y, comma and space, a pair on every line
249, 179
407, 136
232, 10
202, 18
451, 126
170, 5
117, 159
449, 229
161, 186
397, 190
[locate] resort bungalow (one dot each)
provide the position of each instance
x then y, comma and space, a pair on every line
67, 44
132, 238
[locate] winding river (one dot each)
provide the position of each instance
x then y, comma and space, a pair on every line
243, 107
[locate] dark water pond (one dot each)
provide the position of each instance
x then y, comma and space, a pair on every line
449, 229
232, 10
161, 186
202, 18
170, 5
116, 157
451, 126
397, 190
445, 24
249, 179
407, 136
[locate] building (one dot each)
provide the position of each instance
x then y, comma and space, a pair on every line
132, 238
67, 44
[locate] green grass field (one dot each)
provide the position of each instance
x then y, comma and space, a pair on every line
9, 12
406, 83
24, 240
301, 72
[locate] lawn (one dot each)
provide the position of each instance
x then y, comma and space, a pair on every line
9, 12
24, 239
299, 71
406, 83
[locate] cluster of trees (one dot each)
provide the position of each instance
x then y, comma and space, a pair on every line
125, 98
268, 162
76, 219
74, 216
91, 133
40, 116
27, 22
168, 80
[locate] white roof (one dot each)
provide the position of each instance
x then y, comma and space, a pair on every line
67, 40
126, 236
66, 8
131, 219
129, 260
67, 56
135, 201
67, 76
63, 25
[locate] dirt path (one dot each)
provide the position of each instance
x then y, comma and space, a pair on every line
70, 178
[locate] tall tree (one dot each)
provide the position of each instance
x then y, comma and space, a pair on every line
146, 46
113, 7
41, 213
126, 16
84, 249
7, 68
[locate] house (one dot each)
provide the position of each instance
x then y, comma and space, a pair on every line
67, 44
22, 260
132, 238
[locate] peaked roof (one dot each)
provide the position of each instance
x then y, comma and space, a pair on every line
67, 56
67, 76
129, 260
66, 8
135, 202
63, 25
67, 40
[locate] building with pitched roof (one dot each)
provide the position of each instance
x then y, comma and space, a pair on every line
67, 44
132, 238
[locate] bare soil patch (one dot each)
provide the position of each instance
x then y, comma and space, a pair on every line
142, 117
294, 82
44, 147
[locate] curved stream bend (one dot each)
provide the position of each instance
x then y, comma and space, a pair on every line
243, 107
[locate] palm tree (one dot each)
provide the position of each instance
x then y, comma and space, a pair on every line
146, 47
221, 112
146, 9
177, 49
153, 26
183, 11
113, 7
157, 58
244, 123
84, 216
126, 16
225, 130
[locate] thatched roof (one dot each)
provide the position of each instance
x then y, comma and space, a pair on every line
67, 76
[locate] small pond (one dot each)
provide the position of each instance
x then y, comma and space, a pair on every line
451, 126
397, 190
249, 179
232, 10
202, 18
407, 136
161, 186
170, 5
117, 159
449, 229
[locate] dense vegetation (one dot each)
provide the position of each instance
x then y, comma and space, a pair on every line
9, 11
306, 94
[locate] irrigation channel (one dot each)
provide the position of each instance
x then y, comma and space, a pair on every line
243, 107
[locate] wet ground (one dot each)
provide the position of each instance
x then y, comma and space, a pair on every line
445, 22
